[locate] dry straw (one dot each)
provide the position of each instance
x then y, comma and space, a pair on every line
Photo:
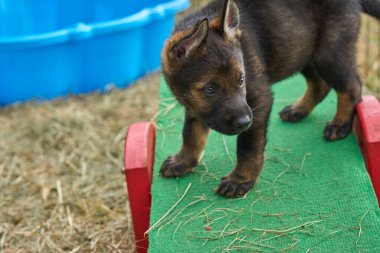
60, 184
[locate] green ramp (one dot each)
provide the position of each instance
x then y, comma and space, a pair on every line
312, 196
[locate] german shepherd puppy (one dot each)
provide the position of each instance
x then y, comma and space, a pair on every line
220, 63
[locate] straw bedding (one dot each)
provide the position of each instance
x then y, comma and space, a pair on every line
61, 189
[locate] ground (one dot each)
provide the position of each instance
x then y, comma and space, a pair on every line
60, 171
60, 162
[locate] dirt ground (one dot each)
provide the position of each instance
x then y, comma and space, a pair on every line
61, 189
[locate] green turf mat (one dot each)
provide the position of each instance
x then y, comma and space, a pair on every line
312, 196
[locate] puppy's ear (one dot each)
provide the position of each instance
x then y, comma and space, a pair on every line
188, 45
231, 20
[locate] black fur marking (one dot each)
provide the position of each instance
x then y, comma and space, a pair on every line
293, 114
172, 167
229, 188
334, 132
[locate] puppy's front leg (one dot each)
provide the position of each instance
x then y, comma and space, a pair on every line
250, 157
194, 136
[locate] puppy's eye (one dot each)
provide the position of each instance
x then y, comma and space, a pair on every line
209, 90
242, 80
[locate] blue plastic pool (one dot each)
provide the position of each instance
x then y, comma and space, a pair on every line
50, 48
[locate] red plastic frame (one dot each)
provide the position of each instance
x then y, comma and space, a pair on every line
367, 130
138, 167
139, 158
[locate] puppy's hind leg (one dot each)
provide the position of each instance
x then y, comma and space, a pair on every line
345, 80
316, 91
341, 125
335, 62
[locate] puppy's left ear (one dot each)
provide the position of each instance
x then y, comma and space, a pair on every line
231, 20
186, 47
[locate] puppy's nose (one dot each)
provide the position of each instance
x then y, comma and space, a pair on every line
242, 122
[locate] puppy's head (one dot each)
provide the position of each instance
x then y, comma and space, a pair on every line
204, 68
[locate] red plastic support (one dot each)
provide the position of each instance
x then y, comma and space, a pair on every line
367, 130
138, 166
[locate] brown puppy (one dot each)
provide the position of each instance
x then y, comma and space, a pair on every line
221, 61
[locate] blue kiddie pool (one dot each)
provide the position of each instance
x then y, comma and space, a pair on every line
50, 48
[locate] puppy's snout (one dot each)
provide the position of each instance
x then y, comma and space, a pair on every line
242, 122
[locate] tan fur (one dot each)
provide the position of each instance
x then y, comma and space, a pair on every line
315, 93
193, 148
344, 109
346, 105
216, 24
167, 53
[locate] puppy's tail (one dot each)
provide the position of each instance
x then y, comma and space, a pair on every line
371, 7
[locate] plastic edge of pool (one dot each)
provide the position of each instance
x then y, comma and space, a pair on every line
85, 57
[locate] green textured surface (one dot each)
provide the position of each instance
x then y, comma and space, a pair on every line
312, 196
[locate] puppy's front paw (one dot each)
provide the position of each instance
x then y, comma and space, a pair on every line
232, 187
175, 167
293, 113
334, 132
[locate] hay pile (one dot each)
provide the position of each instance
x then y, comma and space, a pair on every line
60, 180
369, 54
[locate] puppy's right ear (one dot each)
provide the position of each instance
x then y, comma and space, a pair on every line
231, 20
187, 44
